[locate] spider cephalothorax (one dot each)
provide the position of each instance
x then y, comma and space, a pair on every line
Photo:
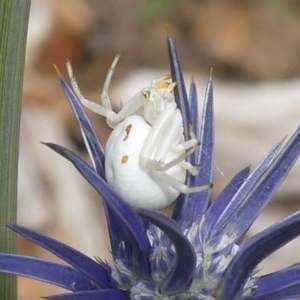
146, 153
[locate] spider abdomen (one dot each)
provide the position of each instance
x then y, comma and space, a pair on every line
137, 184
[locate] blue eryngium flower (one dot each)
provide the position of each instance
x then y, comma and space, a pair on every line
199, 252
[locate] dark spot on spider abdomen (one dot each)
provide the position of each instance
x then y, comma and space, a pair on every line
127, 131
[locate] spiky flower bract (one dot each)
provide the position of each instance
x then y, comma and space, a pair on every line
197, 253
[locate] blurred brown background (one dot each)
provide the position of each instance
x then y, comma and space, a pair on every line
253, 47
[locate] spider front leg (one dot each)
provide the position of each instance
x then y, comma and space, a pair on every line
112, 118
130, 108
105, 111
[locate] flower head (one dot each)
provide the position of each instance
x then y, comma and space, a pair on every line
197, 253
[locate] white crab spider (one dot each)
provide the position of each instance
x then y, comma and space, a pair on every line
145, 159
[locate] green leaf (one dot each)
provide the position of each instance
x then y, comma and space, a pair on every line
13, 31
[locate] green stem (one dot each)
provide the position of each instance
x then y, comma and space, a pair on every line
14, 16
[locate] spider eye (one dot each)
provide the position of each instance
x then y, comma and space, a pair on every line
146, 94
